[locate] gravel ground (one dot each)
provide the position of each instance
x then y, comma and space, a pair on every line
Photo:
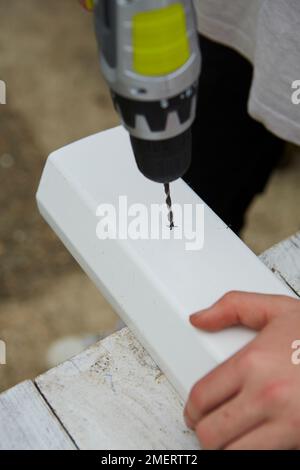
56, 95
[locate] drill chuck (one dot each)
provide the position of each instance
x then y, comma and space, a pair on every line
163, 161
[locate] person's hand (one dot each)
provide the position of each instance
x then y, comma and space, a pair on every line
251, 401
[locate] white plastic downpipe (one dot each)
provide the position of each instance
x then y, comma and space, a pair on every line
154, 285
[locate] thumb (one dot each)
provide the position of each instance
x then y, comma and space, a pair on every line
242, 308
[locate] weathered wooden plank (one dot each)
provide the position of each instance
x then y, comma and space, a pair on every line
284, 260
26, 422
113, 396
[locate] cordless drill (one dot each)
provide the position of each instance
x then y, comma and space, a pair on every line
150, 59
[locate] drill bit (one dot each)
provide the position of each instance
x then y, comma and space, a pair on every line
169, 205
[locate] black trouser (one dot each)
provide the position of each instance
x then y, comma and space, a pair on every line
233, 155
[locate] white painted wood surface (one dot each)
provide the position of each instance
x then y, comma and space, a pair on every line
154, 285
284, 260
112, 395
26, 422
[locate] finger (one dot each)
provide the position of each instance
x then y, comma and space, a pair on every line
229, 422
214, 389
268, 436
245, 308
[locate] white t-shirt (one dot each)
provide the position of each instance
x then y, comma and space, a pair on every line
267, 32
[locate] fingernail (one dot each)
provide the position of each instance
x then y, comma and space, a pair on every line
187, 418
198, 315
189, 423
194, 315
192, 412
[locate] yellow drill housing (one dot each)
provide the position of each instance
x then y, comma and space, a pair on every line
160, 40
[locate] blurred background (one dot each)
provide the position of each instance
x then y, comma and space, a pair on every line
55, 95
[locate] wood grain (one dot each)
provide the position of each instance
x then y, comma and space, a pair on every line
113, 396
284, 260
26, 422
